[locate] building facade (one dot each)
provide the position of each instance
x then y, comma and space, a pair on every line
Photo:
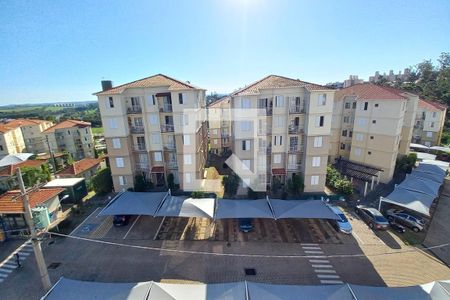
429, 123
154, 127
290, 134
219, 126
11, 140
32, 132
372, 125
72, 136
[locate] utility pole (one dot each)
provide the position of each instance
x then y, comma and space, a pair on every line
36, 244
51, 154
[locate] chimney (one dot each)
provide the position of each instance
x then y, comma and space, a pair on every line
106, 85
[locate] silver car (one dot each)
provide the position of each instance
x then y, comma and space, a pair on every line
342, 225
399, 216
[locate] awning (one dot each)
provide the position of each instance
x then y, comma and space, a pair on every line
422, 185
190, 207
279, 171
418, 146
302, 209
415, 201
133, 203
229, 209
157, 170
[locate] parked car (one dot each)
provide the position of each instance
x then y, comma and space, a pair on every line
372, 217
342, 225
399, 216
245, 225
397, 227
121, 220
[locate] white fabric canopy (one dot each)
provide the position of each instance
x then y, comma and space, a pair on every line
133, 203
418, 146
190, 207
423, 185
235, 209
233, 290
415, 201
390, 293
12, 159
302, 209
439, 148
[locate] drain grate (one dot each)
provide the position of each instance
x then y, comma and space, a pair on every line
250, 271
53, 266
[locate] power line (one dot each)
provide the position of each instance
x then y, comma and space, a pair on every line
244, 255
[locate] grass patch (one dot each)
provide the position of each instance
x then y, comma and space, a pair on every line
97, 130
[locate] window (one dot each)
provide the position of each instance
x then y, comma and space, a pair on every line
154, 119
119, 162
371, 137
277, 158
429, 134
364, 105
346, 119
112, 123
246, 163
369, 152
376, 104
434, 114
358, 151
188, 177
362, 121
317, 142
111, 102
122, 180
319, 121
245, 103
158, 156
116, 143
279, 101
347, 105
155, 138
316, 161
187, 159
315, 180
374, 121
344, 132
246, 145
432, 124
184, 119
278, 140
246, 125
350, 133
180, 98
278, 121
342, 146
186, 139
215, 142
215, 131
322, 100
354, 105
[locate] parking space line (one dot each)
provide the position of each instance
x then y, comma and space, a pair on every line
131, 227
76, 228
159, 228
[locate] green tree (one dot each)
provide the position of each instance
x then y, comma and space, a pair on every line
35, 175
141, 184
102, 182
295, 185
230, 184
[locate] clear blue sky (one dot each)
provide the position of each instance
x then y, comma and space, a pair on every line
60, 50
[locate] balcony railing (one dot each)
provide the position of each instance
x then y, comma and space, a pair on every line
169, 146
134, 110
293, 166
137, 129
166, 108
139, 147
295, 129
263, 150
142, 166
296, 110
295, 148
264, 111
172, 164
167, 128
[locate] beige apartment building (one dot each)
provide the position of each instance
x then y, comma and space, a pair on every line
429, 123
72, 136
153, 127
32, 132
11, 140
219, 126
372, 125
290, 133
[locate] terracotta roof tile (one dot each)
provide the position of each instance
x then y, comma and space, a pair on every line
80, 166
25, 122
370, 91
11, 202
11, 169
274, 82
218, 101
432, 105
68, 124
4, 128
157, 80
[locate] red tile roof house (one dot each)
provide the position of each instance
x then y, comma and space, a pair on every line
12, 210
7, 173
86, 168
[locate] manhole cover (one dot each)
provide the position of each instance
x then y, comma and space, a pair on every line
53, 265
250, 271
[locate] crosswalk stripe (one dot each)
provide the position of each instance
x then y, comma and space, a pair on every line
5, 270
314, 252
309, 244
310, 248
327, 276
22, 258
319, 261
9, 266
325, 271
3, 275
331, 281
322, 266
1, 280
24, 253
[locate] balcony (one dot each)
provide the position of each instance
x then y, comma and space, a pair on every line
166, 107
295, 148
139, 147
142, 166
266, 150
169, 146
296, 110
137, 129
264, 111
172, 164
137, 109
167, 128
293, 166
295, 129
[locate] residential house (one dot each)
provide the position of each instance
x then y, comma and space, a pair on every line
8, 173
87, 167
32, 133
429, 123
11, 140
219, 125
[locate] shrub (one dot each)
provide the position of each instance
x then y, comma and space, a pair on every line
141, 184
230, 184
295, 184
336, 181
102, 182
198, 194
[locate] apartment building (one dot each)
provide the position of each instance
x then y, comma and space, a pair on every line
32, 132
153, 127
219, 126
372, 125
290, 133
72, 136
11, 140
429, 123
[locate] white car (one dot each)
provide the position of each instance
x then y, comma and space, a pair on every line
342, 224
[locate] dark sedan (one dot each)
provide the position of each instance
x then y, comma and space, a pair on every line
372, 217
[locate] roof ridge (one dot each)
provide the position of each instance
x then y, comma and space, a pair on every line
250, 85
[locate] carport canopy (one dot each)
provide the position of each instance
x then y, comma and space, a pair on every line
134, 203
237, 208
423, 185
431, 176
302, 209
232, 290
190, 207
411, 200
437, 168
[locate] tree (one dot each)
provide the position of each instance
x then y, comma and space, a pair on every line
102, 182
276, 184
171, 183
141, 184
34, 175
230, 184
406, 163
295, 184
